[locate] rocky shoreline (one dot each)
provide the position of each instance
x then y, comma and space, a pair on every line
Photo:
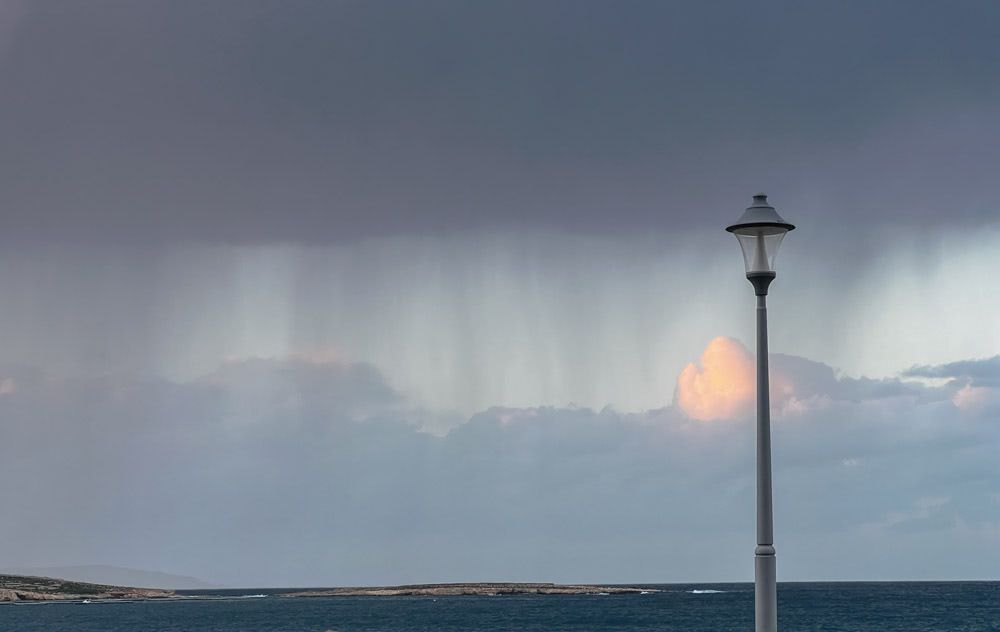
483, 589
25, 588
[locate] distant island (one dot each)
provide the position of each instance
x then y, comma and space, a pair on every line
483, 588
27, 588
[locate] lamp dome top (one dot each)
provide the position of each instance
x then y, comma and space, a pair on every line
760, 214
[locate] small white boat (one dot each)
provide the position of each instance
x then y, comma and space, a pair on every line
85, 601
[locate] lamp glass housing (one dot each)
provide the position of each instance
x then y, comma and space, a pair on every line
760, 246
760, 230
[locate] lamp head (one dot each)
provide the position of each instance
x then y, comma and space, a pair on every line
760, 230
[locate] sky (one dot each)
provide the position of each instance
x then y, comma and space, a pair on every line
334, 293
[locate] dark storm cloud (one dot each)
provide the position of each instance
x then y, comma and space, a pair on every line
318, 122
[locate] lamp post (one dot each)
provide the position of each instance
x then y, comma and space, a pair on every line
760, 230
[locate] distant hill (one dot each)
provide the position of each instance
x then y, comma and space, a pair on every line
21, 588
114, 575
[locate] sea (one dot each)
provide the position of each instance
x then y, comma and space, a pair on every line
826, 607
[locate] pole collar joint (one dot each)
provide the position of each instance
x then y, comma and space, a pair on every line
760, 281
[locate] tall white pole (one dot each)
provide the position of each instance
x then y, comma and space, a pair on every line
765, 577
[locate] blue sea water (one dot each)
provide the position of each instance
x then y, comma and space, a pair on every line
826, 607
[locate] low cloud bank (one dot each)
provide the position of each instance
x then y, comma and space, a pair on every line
316, 471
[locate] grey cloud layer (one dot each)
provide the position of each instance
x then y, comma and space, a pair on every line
985, 372
322, 122
812, 378
324, 477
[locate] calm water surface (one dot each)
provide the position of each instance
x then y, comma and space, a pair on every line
827, 607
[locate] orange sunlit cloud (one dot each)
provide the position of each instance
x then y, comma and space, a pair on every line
723, 386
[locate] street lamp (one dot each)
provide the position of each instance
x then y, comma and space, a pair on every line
760, 231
